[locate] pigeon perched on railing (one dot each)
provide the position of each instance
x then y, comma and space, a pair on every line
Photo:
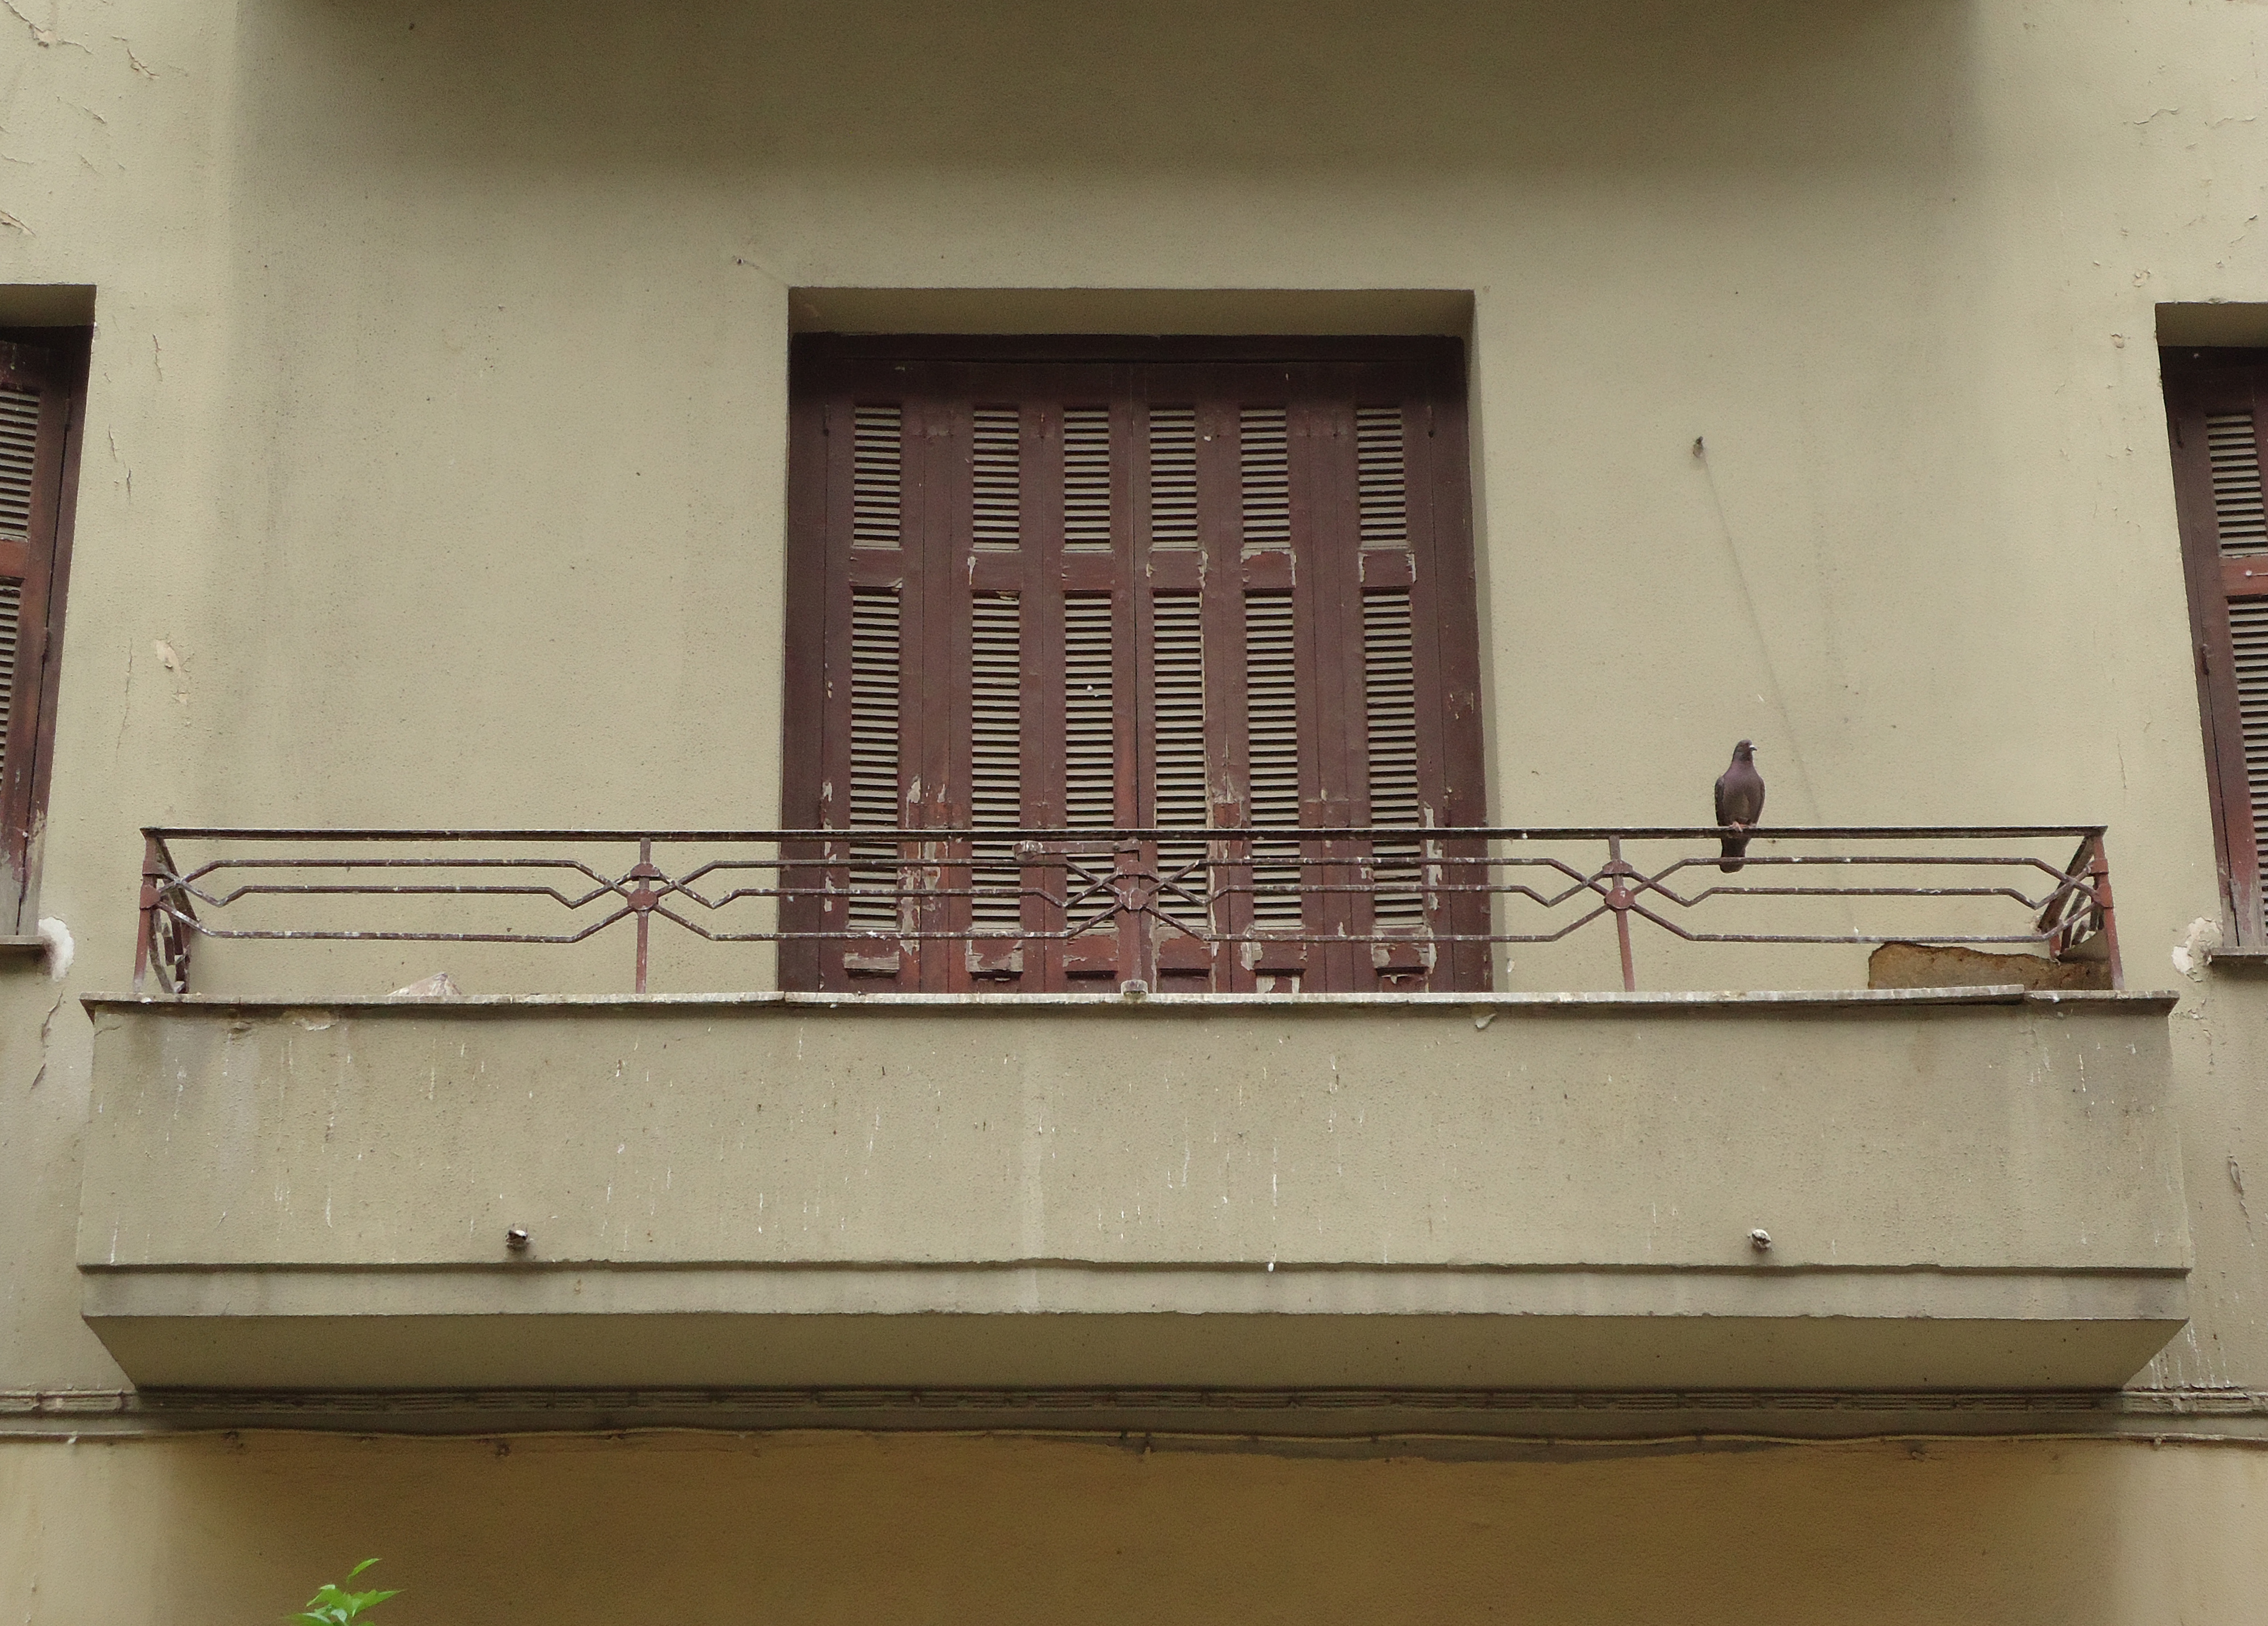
1739, 802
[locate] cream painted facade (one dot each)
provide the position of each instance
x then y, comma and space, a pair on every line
434, 474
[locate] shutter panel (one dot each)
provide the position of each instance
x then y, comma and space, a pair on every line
875, 653
2217, 411
35, 412
1169, 589
19, 463
995, 778
1273, 774
2248, 636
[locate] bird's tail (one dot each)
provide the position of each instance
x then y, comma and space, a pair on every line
1736, 848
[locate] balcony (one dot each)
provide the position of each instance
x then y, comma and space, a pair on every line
1471, 1186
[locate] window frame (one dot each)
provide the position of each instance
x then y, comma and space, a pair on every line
59, 358
821, 363
2198, 382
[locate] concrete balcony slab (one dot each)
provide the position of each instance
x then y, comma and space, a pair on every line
1963, 1189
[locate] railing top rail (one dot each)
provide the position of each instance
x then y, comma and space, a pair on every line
1240, 902
1271, 832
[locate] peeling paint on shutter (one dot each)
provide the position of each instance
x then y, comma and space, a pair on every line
1265, 464
19, 439
1177, 624
2233, 450
878, 458
996, 774
1173, 477
1389, 680
875, 637
1087, 480
1272, 706
997, 476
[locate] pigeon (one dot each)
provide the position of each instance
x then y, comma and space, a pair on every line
1739, 802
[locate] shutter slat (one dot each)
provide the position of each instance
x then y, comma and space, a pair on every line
1090, 719
1272, 706
19, 437
1087, 480
1090, 727
2248, 631
1391, 710
1177, 622
2233, 451
997, 477
12, 609
996, 756
1264, 461
877, 472
874, 639
1173, 477
1380, 484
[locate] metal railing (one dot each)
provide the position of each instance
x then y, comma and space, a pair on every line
1224, 909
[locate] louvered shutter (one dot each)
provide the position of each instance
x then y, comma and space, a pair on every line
35, 404
1149, 590
2217, 408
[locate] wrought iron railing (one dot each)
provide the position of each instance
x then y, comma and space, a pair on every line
1221, 909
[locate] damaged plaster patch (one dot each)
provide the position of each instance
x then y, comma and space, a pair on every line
2194, 952
169, 658
42, 35
13, 224
61, 948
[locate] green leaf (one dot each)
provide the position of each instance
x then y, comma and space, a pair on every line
334, 1606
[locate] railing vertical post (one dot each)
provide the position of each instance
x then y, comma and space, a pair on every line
152, 867
642, 899
1137, 895
2098, 871
1619, 899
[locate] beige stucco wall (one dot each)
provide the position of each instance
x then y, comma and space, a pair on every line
436, 433
821, 1529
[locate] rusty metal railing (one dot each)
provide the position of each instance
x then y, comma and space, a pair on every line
1227, 909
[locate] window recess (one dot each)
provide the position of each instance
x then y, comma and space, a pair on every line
43, 395
1133, 592
2217, 418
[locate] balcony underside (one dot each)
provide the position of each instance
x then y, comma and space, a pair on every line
1977, 1190
1063, 1327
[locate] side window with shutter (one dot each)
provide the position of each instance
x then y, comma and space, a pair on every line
2217, 415
1113, 586
40, 392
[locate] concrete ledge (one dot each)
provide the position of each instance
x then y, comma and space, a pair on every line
2155, 1002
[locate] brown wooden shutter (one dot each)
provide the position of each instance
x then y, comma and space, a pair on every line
2217, 411
1145, 585
37, 399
